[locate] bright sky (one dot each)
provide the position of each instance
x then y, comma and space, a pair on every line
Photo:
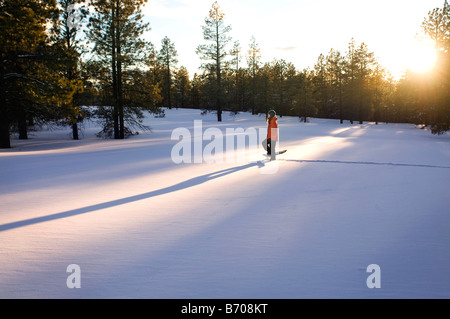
300, 30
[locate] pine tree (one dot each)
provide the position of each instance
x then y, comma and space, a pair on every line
66, 35
168, 59
279, 68
182, 88
321, 86
115, 28
351, 81
235, 61
335, 68
291, 87
304, 105
253, 62
196, 91
266, 89
216, 33
382, 89
28, 85
437, 27
366, 62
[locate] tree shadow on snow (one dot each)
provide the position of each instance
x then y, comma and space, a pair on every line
92, 208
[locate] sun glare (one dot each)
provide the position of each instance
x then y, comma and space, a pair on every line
422, 57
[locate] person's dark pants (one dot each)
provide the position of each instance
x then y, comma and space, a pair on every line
269, 146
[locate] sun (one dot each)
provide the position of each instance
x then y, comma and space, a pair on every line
421, 57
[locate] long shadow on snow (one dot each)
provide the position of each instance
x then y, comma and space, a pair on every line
92, 208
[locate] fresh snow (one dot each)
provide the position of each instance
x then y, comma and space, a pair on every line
140, 226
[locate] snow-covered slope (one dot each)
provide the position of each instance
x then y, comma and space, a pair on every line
140, 226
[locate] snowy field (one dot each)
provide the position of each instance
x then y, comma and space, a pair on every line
140, 226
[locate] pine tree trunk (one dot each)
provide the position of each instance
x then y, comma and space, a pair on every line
341, 112
22, 124
75, 130
119, 79
4, 135
114, 75
254, 95
4, 122
169, 102
219, 77
120, 99
5, 141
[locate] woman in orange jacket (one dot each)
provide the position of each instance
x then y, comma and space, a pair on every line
272, 133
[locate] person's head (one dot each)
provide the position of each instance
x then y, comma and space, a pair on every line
271, 114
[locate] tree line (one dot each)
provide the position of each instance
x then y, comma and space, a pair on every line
351, 86
57, 56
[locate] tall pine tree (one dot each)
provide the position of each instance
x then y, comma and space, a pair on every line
253, 62
67, 37
29, 87
437, 27
168, 59
115, 28
215, 32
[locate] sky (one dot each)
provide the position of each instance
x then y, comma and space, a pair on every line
298, 31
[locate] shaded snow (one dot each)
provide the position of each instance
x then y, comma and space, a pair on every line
139, 226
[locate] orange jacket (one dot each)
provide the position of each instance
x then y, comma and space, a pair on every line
272, 129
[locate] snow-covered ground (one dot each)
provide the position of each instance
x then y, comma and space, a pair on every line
140, 226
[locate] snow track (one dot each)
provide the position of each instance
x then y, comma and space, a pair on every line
363, 163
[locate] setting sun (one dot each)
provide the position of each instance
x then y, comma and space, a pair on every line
422, 57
